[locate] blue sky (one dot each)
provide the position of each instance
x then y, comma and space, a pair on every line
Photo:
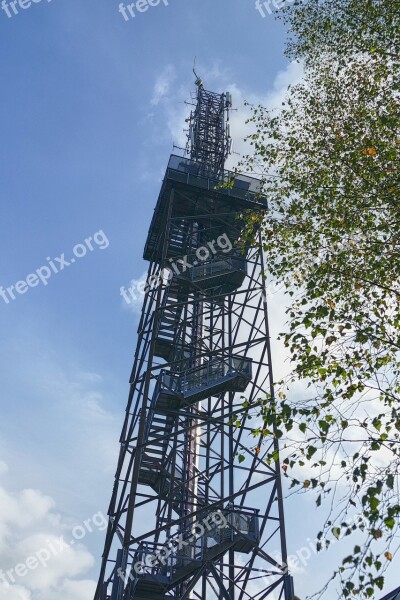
90, 107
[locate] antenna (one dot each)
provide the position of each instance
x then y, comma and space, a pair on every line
209, 140
199, 82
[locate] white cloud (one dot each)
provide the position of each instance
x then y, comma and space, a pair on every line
33, 556
24, 509
72, 590
163, 85
272, 98
133, 295
70, 561
3, 468
86, 433
91, 377
20, 511
14, 592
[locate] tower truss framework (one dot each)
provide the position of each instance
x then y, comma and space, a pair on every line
196, 511
209, 139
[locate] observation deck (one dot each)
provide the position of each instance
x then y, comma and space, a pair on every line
212, 205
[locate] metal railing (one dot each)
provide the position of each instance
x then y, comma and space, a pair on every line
218, 265
167, 560
238, 185
243, 520
207, 374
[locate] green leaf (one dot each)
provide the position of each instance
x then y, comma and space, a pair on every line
379, 581
390, 481
311, 450
377, 424
390, 522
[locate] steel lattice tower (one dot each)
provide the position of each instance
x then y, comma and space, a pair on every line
189, 518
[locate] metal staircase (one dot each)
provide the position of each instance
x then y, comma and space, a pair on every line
156, 446
157, 571
169, 331
171, 393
